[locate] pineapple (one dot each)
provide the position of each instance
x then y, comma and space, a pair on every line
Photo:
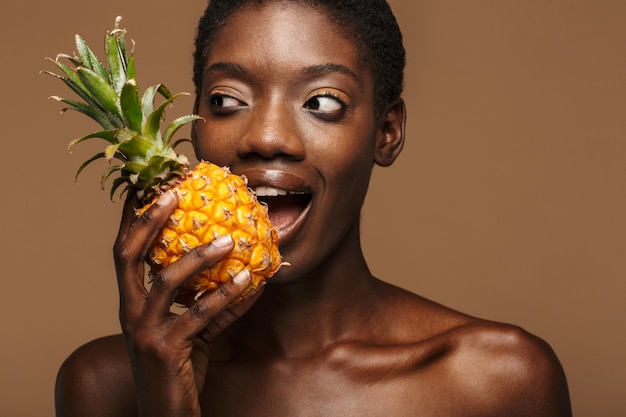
212, 201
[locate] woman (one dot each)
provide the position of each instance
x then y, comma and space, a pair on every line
302, 96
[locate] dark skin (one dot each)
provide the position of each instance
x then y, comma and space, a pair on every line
325, 337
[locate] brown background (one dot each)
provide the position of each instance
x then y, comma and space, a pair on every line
507, 203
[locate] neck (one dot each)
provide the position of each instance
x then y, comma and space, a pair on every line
305, 317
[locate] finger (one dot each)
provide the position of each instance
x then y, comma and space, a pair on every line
124, 267
144, 230
167, 282
137, 235
214, 312
128, 214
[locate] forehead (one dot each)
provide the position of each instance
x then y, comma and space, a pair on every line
282, 35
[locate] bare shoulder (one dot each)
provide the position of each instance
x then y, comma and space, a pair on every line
453, 364
504, 370
96, 380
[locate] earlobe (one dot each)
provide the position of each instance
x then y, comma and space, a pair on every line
390, 136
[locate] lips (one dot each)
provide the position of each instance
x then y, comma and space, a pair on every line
287, 196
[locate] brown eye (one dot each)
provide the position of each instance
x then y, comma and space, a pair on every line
220, 100
221, 104
326, 106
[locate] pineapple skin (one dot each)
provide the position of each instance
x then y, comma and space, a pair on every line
213, 202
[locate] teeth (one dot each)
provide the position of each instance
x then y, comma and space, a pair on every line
264, 191
269, 191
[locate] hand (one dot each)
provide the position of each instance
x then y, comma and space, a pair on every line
170, 353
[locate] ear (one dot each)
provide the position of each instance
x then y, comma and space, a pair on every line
390, 134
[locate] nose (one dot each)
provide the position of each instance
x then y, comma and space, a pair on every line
272, 132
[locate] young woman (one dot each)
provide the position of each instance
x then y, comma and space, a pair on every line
302, 96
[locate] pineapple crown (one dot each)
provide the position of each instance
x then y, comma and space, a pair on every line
137, 150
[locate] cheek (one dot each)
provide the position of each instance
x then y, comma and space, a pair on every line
347, 152
213, 145
346, 162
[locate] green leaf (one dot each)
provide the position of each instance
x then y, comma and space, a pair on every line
115, 52
111, 151
116, 184
131, 106
120, 33
153, 122
97, 156
147, 101
76, 61
93, 112
164, 91
138, 147
107, 173
179, 141
73, 82
131, 74
100, 91
177, 124
154, 170
83, 51
89, 59
133, 167
111, 136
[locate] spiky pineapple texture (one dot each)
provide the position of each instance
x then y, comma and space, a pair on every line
212, 201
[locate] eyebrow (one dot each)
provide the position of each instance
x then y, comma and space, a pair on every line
227, 67
310, 70
329, 68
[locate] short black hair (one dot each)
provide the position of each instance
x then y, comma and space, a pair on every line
369, 23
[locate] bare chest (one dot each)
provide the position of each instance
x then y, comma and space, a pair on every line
319, 390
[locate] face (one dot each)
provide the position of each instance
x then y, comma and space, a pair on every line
287, 103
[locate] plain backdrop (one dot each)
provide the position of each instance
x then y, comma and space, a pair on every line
508, 201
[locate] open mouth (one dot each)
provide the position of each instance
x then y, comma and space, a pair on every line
286, 208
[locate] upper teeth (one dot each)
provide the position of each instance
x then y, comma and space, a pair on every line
264, 191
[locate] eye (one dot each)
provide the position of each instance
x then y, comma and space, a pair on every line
326, 106
222, 104
324, 103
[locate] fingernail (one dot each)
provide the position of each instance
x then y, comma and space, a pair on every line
241, 277
222, 241
166, 198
